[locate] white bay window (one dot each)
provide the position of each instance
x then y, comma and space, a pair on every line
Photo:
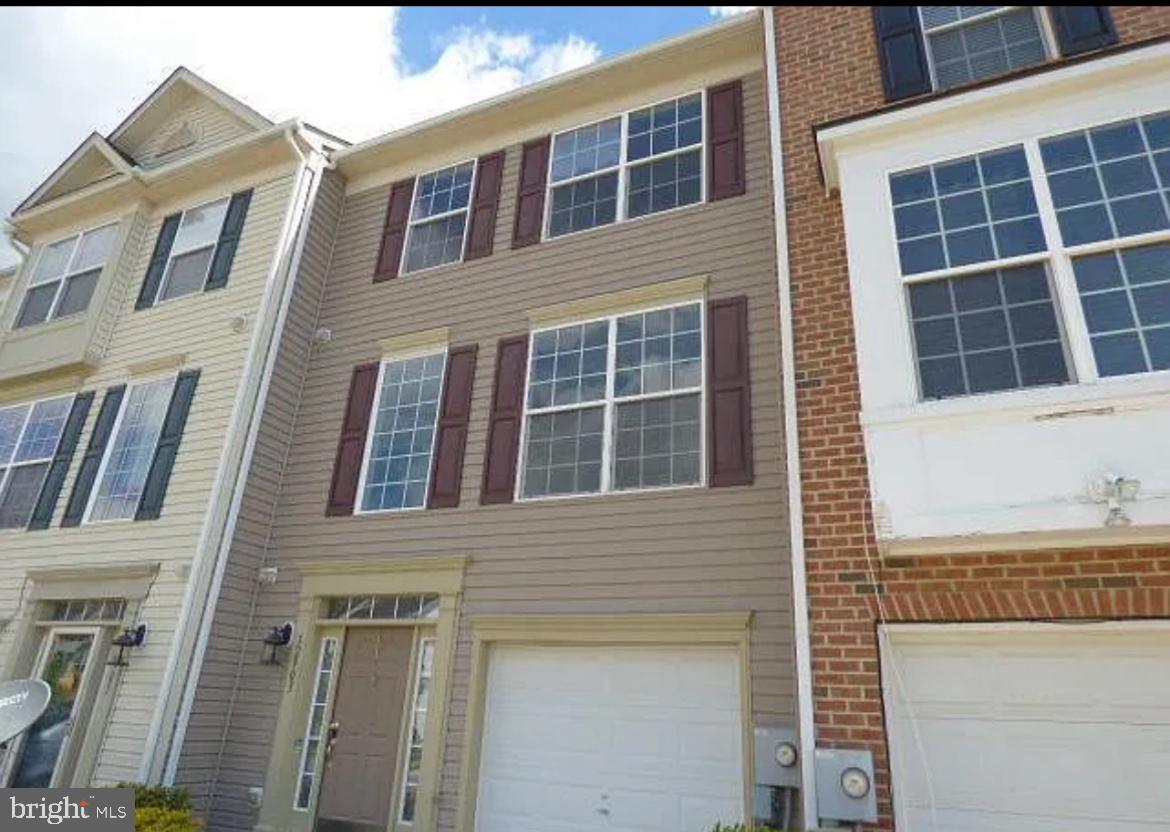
66, 275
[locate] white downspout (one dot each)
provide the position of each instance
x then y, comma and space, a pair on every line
159, 746
304, 205
800, 619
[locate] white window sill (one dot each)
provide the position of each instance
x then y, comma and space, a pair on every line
1037, 403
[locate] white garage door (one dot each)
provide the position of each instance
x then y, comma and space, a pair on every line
617, 739
1047, 728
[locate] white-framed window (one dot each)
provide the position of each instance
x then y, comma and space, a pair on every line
641, 162
970, 43
396, 469
66, 275
29, 435
1040, 263
126, 463
615, 404
439, 213
412, 771
316, 727
192, 250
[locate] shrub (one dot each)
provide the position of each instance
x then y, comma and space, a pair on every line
158, 819
162, 809
739, 827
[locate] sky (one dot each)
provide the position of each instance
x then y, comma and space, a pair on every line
354, 72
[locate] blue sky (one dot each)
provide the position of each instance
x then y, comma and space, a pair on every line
354, 71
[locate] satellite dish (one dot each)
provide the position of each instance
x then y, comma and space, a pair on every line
21, 704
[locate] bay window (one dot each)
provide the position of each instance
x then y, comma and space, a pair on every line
66, 275
1020, 259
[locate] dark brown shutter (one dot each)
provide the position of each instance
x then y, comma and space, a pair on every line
42, 514
725, 169
351, 446
481, 235
1083, 28
167, 450
158, 262
229, 239
526, 228
503, 440
87, 472
729, 417
901, 51
394, 230
451, 437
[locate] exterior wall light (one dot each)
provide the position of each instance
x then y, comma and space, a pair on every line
276, 638
130, 638
1113, 491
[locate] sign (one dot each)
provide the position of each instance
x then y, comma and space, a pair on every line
21, 703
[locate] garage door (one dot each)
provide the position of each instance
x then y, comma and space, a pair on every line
583, 739
1049, 728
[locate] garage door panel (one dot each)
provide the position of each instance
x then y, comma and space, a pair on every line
656, 746
1054, 733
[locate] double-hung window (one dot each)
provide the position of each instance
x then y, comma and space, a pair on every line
615, 404
970, 43
193, 249
1041, 262
29, 434
397, 468
641, 162
126, 464
66, 275
438, 217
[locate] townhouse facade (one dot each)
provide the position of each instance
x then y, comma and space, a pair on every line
531, 534
978, 259
135, 348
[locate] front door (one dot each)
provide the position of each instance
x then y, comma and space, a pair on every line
42, 749
361, 757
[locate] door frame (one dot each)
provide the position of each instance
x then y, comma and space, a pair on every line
79, 717
331, 578
634, 630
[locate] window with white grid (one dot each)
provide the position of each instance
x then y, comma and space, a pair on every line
1040, 263
615, 404
438, 217
131, 450
641, 162
970, 43
29, 434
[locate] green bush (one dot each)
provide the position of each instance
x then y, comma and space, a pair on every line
739, 827
162, 809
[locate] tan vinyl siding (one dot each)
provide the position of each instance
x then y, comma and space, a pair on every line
697, 550
198, 328
228, 651
209, 124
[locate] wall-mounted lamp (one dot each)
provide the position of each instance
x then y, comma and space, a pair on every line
131, 637
1114, 490
277, 637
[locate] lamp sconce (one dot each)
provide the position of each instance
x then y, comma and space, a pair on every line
1113, 491
277, 637
131, 637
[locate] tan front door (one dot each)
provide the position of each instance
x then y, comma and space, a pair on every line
361, 759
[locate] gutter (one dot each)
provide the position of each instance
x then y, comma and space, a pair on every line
192, 630
800, 617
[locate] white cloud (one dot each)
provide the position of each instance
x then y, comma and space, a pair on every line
67, 72
729, 11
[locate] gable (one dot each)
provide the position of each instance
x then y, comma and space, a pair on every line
184, 116
92, 167
196, 125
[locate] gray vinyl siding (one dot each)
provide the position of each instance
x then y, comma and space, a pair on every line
228, 652
685, 551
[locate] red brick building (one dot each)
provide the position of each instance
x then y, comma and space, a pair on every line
950, 478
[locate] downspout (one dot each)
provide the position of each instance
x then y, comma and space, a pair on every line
312, 168
800, 618
195, 613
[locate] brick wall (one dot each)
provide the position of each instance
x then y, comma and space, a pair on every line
829, 69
